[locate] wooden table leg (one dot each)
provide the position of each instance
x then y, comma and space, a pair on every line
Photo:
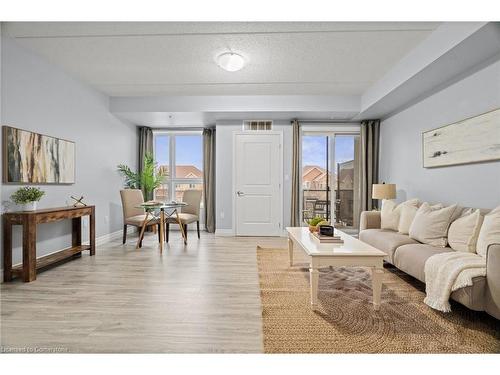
162, 230
377, 274
143, 228
29, 248
7, 250
181, 227
290, 251
92, 231
76, 232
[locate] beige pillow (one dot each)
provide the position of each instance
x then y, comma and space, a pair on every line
408, 213
463, 232
390, 213
430, 225
490, 232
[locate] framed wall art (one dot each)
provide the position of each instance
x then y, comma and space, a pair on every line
473, 140
33, 158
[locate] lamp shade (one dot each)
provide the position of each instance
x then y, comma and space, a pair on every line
384, 191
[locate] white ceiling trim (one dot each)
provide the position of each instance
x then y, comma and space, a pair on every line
131, 29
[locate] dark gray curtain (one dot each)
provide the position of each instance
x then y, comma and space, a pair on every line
209, 178
145, 146
370, 130
296, 176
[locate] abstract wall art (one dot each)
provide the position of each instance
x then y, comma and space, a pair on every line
32, 158
473, 140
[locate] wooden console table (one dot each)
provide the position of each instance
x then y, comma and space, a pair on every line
29, 221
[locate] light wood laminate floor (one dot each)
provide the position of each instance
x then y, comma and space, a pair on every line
202, 297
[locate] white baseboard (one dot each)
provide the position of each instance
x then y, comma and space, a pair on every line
224, 232
230, 233
105, 238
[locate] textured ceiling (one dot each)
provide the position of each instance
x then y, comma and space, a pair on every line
132, 59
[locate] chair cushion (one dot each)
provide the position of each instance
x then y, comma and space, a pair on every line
139, 219
386, 240
411, 258
184, 218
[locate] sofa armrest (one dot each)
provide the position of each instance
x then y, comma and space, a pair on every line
492, 303
369, 220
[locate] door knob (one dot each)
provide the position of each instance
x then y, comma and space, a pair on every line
240, 193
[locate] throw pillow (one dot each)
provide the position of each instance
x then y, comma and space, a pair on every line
490, 232
390, 213
463, 232
408, 213
431, 225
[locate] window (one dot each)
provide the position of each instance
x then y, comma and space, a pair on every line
330, 175
180, 155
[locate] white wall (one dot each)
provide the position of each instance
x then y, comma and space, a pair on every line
37, 96
224, 171
476, 185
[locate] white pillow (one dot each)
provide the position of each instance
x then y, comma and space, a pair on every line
390, 213
406, 218
408, 213
490, 232
463, 232
431, 225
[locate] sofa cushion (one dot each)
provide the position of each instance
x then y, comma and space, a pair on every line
490, 232
411, 258
463, 232
430, 225
391, 212
385, 240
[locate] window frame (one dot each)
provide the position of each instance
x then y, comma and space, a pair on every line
172, 181
330, 130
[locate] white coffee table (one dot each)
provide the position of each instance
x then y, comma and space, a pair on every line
352, 253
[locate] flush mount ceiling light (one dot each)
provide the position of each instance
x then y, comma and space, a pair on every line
230, 61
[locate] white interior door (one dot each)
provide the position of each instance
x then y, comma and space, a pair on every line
257, 184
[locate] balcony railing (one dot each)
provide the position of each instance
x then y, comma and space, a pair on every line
318, 203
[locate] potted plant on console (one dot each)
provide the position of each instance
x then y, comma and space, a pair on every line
27, 197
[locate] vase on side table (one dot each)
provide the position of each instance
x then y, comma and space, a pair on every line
30, 206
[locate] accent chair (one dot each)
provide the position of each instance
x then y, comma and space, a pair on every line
132, 214
189, 214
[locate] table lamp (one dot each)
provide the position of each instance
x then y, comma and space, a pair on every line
383, 191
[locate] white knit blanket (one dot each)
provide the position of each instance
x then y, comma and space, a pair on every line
447, 272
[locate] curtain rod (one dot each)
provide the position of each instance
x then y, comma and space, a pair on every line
186, 128
329, 121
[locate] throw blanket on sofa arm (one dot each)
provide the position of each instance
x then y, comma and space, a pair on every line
447, 272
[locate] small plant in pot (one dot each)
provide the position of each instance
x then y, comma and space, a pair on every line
315, 222
27, 197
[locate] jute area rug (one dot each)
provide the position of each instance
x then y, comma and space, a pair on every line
346, 322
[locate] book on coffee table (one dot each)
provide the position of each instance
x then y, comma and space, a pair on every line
326, 239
